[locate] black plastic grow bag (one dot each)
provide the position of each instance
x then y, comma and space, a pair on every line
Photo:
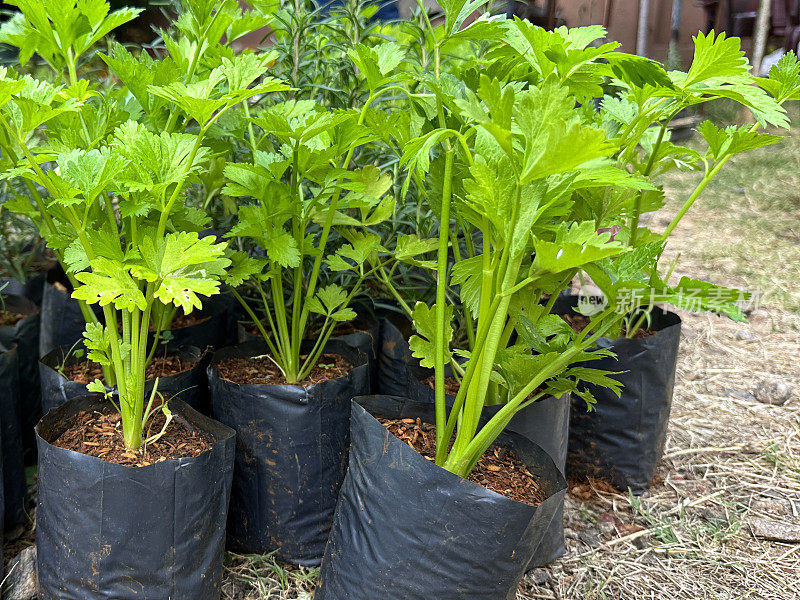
13, 473
25, 335
110, 532
63, 323
622, 440
291, 455
190, 386
32, 289
363, 333
394, 355
407, 529
217, 330
546, 423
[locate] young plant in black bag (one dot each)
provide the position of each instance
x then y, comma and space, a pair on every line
305, 196
515, 153
113, 210
306, 232
622, 441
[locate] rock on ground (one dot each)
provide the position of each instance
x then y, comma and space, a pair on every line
20, 581
775, 531
746, 336
773, 391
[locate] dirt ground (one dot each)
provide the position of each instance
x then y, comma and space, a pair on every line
731, 462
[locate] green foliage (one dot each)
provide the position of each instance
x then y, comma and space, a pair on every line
296, 194
511, 158
111, 201
494, 162
715, 56
423, 345
61, 31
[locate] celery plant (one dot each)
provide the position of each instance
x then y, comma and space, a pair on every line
516, 157
113, 206
312, 212
303, 190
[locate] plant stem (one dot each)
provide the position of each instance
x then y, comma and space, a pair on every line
71, 60
257, 322
298, 231
326, 229
637, 209
441, 285
695, 195
463, 463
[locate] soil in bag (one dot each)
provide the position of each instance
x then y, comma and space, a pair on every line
98, 433
145, 528
291, 446
499, 470
363, 333
621, 440
450, 538
64, 373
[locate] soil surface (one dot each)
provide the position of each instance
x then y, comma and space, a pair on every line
498, 469
579, 323
161, 366
451, 384
9, 319
349, 327
261, 370
99, 434
182, 321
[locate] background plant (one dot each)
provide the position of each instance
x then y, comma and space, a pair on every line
303, 191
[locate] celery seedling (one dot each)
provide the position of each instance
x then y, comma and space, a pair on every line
114, 209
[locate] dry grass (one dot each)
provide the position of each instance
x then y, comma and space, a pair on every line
259, 577
729, 459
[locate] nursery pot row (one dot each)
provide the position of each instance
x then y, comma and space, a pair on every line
281, 455
291, 455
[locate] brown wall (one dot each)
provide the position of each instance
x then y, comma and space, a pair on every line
625, 17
